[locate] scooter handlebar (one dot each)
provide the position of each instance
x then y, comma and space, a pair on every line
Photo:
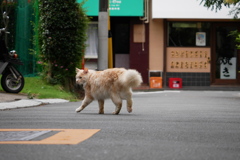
3, 30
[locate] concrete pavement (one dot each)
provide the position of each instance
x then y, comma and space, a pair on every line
9, 97
13, 101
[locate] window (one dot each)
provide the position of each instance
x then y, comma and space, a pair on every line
188, 34
92, 41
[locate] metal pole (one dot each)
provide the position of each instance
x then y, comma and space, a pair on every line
103, 35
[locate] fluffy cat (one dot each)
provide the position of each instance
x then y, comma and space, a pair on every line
113, 83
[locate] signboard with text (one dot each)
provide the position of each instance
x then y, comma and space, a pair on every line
116, 7
228, 70
188, 59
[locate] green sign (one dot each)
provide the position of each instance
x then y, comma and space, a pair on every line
116, 7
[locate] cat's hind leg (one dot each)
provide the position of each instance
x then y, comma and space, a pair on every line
127, 95
118, 103
101, 106
129, 104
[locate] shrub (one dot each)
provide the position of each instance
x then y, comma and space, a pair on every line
62, 36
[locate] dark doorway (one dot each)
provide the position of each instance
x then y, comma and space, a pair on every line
120, 27
226, 57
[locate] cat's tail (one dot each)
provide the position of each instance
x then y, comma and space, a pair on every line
131, 78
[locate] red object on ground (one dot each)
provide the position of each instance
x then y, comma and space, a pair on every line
175, 82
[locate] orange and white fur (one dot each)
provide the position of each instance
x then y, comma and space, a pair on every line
113, 83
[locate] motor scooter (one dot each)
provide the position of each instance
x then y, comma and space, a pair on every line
12, 80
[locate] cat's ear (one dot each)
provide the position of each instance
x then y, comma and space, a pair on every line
77, 70
85, 70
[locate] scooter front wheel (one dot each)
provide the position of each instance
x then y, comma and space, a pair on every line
11, 84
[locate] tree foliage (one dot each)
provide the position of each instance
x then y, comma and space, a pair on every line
235, 11
236, 34
218, 4
62, 36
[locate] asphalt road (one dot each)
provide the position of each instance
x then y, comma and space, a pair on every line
181, 125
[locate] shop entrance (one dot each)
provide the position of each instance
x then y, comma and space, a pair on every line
225, 56
120, 27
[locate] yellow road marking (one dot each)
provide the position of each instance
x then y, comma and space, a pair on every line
65, 136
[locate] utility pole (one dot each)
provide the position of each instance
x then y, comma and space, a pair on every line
103, 35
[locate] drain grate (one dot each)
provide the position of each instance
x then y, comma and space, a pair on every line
21, 135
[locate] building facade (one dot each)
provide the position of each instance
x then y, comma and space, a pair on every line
170, 39
192, 42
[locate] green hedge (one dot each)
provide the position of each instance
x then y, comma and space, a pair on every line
62, 36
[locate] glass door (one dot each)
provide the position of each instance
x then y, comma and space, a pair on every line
226, 64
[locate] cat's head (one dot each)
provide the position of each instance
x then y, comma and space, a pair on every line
81, 76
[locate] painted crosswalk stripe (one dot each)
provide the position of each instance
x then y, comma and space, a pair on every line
63, 136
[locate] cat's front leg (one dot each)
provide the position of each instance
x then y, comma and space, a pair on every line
87, 100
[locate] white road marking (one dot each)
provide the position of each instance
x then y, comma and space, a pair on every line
157, 92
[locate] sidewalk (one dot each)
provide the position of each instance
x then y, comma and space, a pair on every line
13, 101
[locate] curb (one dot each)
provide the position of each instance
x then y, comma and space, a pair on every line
29, 103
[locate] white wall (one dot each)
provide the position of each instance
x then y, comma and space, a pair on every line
186, 9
